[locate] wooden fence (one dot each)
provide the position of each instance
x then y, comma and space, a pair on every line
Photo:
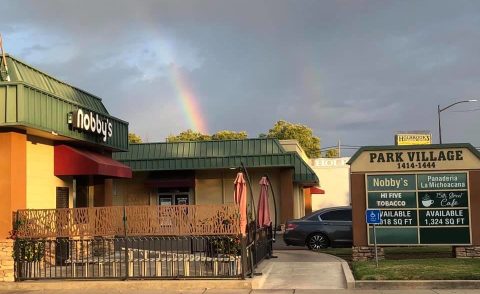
146, 220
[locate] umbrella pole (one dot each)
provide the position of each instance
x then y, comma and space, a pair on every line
275, 209
244, 169
252, 201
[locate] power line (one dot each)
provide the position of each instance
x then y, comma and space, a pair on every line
470, 110
341, 146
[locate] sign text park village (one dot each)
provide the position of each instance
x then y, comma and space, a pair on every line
416, 159
416, 156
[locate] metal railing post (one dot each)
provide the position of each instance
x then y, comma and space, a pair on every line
244, 256
127, 270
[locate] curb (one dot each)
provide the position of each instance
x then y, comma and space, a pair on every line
347, 272
418, 284
130, 285
349, 279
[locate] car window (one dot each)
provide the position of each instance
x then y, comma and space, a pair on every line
313, 217
337, 215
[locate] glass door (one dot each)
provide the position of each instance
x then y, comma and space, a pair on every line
181, 199
165, 200
174, 196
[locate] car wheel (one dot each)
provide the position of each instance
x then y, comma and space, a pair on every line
317, 241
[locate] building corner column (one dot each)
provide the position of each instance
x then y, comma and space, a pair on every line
13, 194
287, 195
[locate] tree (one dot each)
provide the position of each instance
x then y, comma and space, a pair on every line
284, 130
229, 135
134, 138
331, 153
188, 135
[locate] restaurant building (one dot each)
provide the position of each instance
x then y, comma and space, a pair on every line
56, 147
56, 144
204, 172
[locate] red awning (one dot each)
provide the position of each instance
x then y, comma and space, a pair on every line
316, 190
71, 161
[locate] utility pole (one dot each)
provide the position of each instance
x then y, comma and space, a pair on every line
339, 154
4, 62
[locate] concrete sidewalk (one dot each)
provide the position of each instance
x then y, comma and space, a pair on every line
242, 291
301, 269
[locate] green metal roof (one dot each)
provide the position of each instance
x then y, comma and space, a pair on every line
33, 99
254, 153
19, 71
408, 147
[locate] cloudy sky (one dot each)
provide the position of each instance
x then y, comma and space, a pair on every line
353, 70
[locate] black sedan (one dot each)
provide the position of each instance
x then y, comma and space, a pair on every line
328, 227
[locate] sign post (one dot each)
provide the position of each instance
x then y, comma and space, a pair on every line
372, 216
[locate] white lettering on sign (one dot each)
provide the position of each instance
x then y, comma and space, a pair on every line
416, 156
330, 162
389, 182
93, 123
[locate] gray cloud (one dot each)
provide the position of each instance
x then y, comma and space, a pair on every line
357, 71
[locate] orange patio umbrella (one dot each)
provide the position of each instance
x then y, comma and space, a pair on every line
240, 197
263, 211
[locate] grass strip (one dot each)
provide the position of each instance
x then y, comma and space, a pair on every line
418, 269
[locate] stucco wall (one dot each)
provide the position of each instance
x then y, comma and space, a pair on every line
41, 182
12, 181
298, 201
334, 175
133, 191
216, 186
211, 187
208, 188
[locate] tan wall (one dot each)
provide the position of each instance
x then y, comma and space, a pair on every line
214, 187
133, 191
334, 175
294, 146
41, 182
217, 185
287, 197
298, 202
208, 189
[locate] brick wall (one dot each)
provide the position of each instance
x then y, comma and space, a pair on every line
467, 251
6, 261
362, 253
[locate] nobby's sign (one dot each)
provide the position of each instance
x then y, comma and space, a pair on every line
420, 208
92, 123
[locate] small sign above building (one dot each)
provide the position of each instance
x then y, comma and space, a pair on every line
413, 138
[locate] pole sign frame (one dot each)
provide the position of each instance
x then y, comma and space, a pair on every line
420, 208
374, 217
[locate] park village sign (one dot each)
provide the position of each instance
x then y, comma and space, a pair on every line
417, 158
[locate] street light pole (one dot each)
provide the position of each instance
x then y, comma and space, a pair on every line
439, 110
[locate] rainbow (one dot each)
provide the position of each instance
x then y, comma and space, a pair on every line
189, 100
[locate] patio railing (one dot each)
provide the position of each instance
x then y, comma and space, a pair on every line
137, 242
146, 220
213, 257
